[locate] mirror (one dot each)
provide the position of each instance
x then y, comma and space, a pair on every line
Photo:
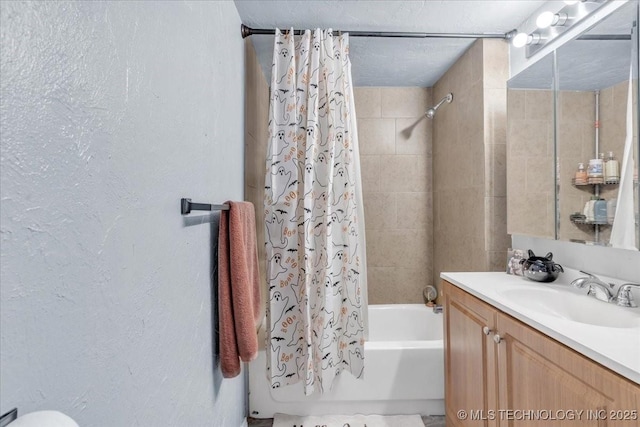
557, 202
593, 84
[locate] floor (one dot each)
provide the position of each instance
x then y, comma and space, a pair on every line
429, 421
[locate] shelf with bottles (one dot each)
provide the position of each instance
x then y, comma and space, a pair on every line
583, 221
596, 212
599, 172
587, 184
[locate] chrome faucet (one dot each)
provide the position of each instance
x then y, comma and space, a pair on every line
624, 297
602, 291
597, 288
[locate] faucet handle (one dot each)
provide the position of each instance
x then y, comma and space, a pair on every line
580, 282
590, 280
624, 297
595, 278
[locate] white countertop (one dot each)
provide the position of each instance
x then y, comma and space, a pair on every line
616, 348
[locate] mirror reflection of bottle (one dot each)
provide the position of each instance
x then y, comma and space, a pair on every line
611, 170
589, 210
600, 211
595, 172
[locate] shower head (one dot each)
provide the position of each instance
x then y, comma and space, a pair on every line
431, 112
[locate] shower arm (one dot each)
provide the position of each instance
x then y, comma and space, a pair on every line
447, 98
431, 111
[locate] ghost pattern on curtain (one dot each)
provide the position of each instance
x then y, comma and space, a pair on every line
314, 311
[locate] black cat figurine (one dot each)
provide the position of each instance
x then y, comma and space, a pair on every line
541, 269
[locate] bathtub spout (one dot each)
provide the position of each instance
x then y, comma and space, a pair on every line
437, 309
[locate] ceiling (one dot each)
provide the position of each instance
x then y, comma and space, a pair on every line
386, 61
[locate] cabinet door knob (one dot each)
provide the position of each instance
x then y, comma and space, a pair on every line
497, 338
486, 330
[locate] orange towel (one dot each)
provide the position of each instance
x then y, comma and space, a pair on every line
238, 287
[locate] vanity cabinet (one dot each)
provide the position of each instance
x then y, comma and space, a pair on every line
471, 380
501, 372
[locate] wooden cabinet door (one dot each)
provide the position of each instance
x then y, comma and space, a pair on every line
470, 363
546, 378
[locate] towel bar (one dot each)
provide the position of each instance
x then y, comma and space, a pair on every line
186, 206
9, 417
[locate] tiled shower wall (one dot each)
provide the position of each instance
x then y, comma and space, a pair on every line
469, 160
395, 141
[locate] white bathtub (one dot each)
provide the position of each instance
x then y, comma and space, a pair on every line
404, 372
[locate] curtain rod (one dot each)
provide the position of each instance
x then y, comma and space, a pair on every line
248, 31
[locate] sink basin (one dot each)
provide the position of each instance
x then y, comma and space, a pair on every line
574, 307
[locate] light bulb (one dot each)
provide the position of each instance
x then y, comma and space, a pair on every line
545, 19
520, 39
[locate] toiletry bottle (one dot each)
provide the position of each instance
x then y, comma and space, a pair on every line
611, 170
600, 211
611, 210
596, 170
581, 175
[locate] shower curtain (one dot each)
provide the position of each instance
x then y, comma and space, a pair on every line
623, 234
314, 226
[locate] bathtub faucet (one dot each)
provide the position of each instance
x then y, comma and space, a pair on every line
437, 309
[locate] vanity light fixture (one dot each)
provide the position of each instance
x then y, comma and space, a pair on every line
552, 24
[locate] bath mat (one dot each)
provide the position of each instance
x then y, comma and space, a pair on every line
282, 420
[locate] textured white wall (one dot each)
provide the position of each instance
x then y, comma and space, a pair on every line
110, 112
